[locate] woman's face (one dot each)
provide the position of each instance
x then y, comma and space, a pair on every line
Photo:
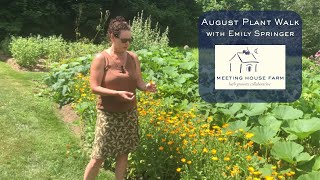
122, 41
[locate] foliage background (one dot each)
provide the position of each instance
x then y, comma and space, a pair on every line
50, 17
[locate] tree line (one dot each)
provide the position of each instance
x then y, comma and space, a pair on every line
81, 18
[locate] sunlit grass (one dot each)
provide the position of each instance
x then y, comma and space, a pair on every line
35, 143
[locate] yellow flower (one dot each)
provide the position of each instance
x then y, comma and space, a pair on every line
216, 127
226, 159
248, 158
249, 135
184, 142
170, 142
269, 178
205, 150
213, 151
160, 148
178, 169
188, 162
250, 143
183, 160
225, 125
274, 167
214, 158
149, 135
251, 169
290, 173
280, 177
256, 173
163, 140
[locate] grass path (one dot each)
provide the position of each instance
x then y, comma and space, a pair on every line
34, 142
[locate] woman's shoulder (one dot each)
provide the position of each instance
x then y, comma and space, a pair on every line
133, 55
99, 58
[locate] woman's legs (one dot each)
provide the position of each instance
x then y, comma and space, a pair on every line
121, 166
92, 169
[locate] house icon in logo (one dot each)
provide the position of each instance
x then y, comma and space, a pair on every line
244, 61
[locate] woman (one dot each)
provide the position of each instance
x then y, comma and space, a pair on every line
115, 75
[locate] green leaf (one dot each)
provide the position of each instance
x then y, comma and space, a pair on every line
286, 151
303, 157
270, 121
236, 125
264, 135
287, 112
187, 65
240, 115
181, 80
292, 137
233, 109
254, 109
158, 60
303, 127
171, 71
310, 176
266, 170
316, 165
65, 89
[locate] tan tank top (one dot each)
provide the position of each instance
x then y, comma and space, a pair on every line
121, 79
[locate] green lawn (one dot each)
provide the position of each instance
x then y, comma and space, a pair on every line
34, 142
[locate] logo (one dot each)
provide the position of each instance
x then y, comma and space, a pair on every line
244, 61
243, 67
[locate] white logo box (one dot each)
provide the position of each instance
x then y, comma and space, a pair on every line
250, 67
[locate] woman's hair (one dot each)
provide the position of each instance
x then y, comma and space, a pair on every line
116, 25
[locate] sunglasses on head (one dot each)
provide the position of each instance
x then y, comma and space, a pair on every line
124, 40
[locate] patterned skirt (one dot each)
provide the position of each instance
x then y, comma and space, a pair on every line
115, 133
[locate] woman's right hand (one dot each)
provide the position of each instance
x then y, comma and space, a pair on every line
126, 96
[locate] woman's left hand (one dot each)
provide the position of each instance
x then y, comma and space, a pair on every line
151, 87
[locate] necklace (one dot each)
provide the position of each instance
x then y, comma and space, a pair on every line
121, 68
118, 64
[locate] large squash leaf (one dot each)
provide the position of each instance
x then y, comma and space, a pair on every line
287, 151
310, 176
303, 127
287, 112
264, 135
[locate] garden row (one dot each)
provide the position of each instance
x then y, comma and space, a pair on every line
183, 137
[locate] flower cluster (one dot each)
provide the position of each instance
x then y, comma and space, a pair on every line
186, 145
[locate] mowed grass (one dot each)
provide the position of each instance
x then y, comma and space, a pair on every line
34, 142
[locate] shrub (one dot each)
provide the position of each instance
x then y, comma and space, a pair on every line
145, 36
55, 48
83, 48
26, 51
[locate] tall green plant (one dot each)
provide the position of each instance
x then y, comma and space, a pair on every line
145, 36
26, 51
